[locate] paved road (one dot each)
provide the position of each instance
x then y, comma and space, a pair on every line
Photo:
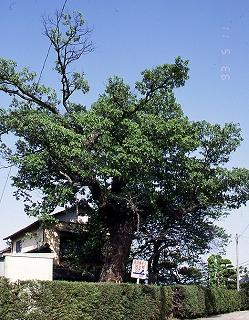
238, 315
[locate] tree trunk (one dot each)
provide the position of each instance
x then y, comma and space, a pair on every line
154, 263
116, 250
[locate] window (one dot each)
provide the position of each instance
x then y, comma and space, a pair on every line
18, 246
69, 247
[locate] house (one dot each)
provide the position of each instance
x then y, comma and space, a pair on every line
5, 251
59, 238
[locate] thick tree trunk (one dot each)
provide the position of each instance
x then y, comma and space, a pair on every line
116, 251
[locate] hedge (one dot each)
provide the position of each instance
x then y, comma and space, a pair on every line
189, 302
222, 301
193, 301
61, 300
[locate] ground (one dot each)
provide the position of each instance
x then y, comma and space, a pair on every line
239, 315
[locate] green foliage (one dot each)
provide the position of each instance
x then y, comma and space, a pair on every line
82, 251
133, 155
189, 302
193, 301
6, 300
224, 300
65, 301
221, 273
89, 301
12, 300
174, 258
244, 296
244, 276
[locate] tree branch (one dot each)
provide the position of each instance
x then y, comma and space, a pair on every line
27, 96
69, 45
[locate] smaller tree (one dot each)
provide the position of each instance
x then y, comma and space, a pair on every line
174, 247
221, 272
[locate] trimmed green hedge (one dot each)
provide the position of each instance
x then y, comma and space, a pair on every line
193, 301
60, 300
223, 301
188, 302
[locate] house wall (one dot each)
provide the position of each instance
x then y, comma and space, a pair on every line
52, 237
72, 216
25, 266
30, 241
1, 267
39, 237
34, 239
68, 216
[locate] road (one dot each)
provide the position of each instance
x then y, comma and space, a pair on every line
238, 315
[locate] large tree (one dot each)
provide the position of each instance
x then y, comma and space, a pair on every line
133, 156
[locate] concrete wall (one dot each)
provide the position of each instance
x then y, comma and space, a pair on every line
30, 241
29, 266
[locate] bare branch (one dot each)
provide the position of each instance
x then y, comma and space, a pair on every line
65, 175
6, 167
70, 42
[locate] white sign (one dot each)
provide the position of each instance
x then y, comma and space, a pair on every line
139, 269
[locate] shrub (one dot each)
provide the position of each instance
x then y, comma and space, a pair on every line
11, 301
193, 301
61, 300
244, 298
188, 301
6, 299
220, 300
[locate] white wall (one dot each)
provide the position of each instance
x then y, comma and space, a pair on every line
71, 216
29, 266
30, 241
2, 267
68, 216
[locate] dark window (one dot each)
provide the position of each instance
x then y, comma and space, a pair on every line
78, 249
70, 247
19, 246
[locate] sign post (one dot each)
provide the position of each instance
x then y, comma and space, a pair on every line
139, 269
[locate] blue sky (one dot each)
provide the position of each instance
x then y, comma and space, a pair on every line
130, 36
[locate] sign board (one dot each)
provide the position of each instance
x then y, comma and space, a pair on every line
139, 269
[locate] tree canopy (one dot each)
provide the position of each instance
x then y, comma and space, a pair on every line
133, 155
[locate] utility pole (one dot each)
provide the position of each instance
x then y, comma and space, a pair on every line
237, 258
